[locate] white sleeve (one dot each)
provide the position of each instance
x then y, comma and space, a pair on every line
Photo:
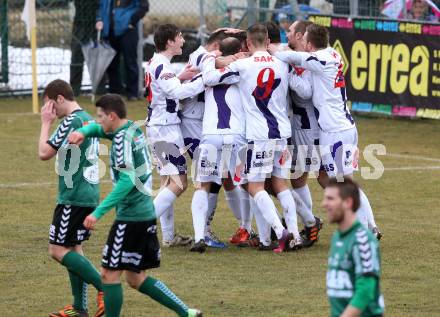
212, 76
174, 89
301, 84
303, 59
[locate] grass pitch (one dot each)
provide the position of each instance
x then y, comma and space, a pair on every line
231, 282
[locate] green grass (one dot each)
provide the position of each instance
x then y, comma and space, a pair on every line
232, 282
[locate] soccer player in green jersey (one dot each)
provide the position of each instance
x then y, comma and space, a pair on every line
78, 193
132, 245
353, 276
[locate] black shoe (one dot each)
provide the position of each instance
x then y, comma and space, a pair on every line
270, 247
310, 234
199, 246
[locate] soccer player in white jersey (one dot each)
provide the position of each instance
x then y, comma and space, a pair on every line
338, 134
304, 134
263, 82
305, 138
191, 126
164, 90
223, 138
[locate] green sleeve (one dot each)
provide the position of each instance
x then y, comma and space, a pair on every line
92, 130
123, 186
365, 289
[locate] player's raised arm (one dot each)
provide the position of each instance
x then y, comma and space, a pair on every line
48, 116
306, 60
212, 76
172, 87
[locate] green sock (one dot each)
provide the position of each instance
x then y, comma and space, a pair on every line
162, 294
82, 267
79, 291
113, 299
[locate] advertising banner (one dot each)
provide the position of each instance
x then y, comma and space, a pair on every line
391, 67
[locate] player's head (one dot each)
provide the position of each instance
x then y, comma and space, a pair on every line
296, 33
230, 46
316, 38
110, 109
273, 31
257, 37
213, 41
341, 198
61, 94
168, 37
242, 36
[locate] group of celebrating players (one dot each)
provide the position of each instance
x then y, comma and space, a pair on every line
251, 114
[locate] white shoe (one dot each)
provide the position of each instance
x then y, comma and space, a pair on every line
178, 241
295, 244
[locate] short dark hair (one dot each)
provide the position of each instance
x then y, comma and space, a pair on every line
112, 103
230, 46
317, 35
163, 34
59, 87
301, 26
273, 31
347, 189
257, 34
217, 37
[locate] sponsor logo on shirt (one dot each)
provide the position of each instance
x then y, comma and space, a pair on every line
263, 59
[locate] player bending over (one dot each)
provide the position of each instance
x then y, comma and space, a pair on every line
263, 83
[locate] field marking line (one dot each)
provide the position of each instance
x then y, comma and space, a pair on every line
412, 168
20, 114
37, 184
416, 157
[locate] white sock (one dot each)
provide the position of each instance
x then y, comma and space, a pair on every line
246, 215
163, 201
289, 211
233, 198
366, 211
212, 205
303, 200
262, 225
199, 208
269, 211
167, 224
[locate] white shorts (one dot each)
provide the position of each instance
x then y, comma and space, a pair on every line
305, 151
192, 134
219, 156
266, 158
167, 147
339, 152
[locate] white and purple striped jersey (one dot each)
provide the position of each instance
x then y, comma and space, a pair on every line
194, 107
164, 91
329, 93
224, 113
304, 115
263, 82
